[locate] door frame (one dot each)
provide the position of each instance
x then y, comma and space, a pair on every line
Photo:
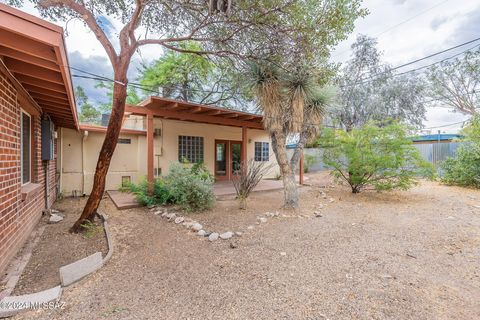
228, 160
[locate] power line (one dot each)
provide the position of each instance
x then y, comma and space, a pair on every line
447, 125
411, 18
376, 76
400, 23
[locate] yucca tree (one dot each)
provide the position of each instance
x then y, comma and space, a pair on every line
293, 104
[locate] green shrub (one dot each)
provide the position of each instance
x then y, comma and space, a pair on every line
161, 193
464, 168
372, 156
188, 186
191, 187
308, 162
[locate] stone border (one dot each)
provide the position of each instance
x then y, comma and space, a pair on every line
69, 274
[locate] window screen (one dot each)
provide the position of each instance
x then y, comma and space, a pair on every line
25, 147
190, 149
262, 151
124, 141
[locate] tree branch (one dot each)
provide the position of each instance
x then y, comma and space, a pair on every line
89, 19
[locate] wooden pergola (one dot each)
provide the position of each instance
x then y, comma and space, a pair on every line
193, 112
33, 51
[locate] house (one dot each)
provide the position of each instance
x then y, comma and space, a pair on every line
44, 150
159, 132
36, 98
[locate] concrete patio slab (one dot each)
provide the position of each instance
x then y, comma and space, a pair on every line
123, 200
12, 305
226, 188
77, 270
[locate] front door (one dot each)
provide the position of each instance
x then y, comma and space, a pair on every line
228, 158
221, 161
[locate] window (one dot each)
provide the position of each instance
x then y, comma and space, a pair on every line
190, 149
124, 141
262, 151
126, 181
25, 146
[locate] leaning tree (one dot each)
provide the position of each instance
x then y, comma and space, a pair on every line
237, 29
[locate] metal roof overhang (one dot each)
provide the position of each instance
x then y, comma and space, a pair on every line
33, 50
194, 112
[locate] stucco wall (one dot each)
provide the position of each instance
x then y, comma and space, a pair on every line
130, 159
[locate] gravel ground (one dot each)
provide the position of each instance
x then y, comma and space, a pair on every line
58, 247
402, 255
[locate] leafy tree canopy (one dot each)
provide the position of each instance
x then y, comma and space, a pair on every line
88, 113
456, 83
370, 91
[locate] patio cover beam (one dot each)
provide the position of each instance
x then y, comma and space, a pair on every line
194, 117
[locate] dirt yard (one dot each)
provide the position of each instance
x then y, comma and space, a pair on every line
401, 255
58, 247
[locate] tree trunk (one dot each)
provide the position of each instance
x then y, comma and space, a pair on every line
106, 153
243, 203
288, 176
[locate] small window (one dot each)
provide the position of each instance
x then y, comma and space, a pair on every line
25, 145
262, 152
190, 149
126, 181
124, 141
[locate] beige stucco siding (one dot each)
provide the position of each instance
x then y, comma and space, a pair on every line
79, 161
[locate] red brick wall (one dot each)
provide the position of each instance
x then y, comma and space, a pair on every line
18, 217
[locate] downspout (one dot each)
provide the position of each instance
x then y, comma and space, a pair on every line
45, 170
84, 139
60, 155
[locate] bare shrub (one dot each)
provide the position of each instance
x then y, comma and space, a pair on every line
251, 172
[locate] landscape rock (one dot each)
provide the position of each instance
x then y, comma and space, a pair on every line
179, 220
187, 224
317, 214
197, 226
250, 227
226, 235
202, 233
54, 218
262, 219
171, 216
238, 233
158, 212
283, 253
213, 236
165, 213
233, 245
